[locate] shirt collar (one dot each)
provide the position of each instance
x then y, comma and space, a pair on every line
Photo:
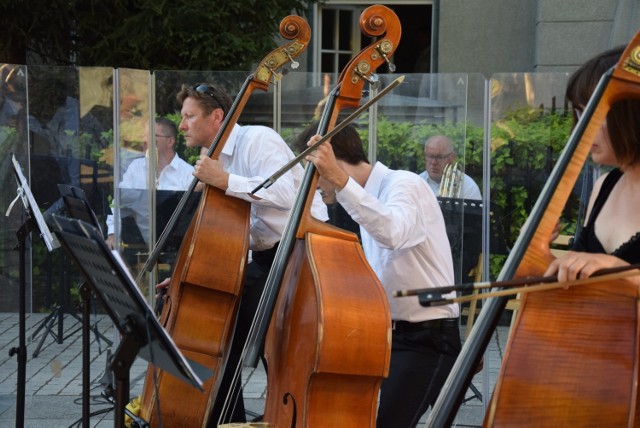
174, 161
378, 172
230, 144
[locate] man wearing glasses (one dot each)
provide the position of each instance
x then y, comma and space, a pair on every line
173, 173
250, 155
438, 152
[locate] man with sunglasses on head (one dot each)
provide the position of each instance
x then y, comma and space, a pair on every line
438, 153
250, 155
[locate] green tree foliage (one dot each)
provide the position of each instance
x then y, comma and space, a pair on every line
145, 34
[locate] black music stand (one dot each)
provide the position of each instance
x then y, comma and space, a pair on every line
34, 221
117, 291
463, 221
77, 205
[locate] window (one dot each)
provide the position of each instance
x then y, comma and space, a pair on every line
338, 37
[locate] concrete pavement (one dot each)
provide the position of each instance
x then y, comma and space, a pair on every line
53, 391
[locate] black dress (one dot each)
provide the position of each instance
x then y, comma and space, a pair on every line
588, 242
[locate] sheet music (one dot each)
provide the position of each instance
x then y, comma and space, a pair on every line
31, 205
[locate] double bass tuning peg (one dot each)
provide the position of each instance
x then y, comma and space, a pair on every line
392, 66
362, 70
294, 64
383, 48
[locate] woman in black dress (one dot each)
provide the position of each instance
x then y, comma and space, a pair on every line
611, 236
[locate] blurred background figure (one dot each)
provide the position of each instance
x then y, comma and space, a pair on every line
172, 173
438, 153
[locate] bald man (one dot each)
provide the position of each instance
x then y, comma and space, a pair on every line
438, 152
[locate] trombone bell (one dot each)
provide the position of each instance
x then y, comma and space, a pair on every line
450, 185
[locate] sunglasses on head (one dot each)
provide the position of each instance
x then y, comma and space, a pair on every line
209, 90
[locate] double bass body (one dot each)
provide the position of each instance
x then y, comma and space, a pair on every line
328, 346
572, 359
200, 308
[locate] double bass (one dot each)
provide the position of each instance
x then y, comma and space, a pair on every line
201, 306
328, 343
573, 355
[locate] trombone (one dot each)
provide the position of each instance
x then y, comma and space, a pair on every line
451, 183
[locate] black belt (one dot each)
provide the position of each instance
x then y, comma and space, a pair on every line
265, 258
407, 327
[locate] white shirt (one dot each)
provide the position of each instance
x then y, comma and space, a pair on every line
251, 155
469, 190
175, 176
403, 237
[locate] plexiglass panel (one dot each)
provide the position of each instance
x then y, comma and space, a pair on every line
128, 225
13, 140
58, 120
530, 126
66, 126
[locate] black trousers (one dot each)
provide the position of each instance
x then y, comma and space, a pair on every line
421, 359
255, 279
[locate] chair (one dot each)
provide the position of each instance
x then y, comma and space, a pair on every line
470, 312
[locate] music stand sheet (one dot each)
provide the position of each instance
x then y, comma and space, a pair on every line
121, 298
30, 204
76, 203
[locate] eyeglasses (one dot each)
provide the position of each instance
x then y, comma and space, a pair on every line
437, 157
206, 89
162, 136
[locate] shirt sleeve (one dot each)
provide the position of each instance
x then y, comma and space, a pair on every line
135, 176
261, 155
